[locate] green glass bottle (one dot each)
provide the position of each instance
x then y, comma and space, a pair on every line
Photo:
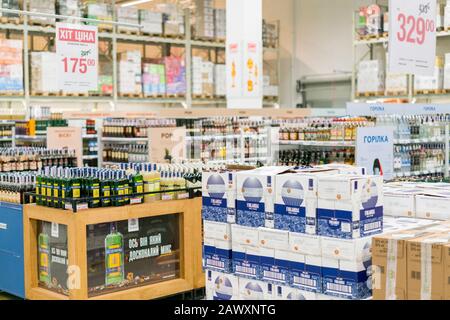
44, 258
105, 189
117, 189
50, 188
38, 189
114, 257
138, 186
94, 191
57, 189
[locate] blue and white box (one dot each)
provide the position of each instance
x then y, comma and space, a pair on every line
214, 196
347, 249
306, 244
289, 293
245, 252
221, 286
306, 272
349, 206
217, 247
256, 196
296, 203
345, 168
251, 289
347, 279
275, 265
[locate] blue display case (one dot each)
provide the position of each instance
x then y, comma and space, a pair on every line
11, 249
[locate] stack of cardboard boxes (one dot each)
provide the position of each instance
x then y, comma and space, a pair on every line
151, 22
204, 19
44, 75
270, 35
290, 234
434, 82
130, 73
371, 77
71, 8
128, 15
153, 79
220, 80
99, 10
42, 6
11, 66
9, 4
202, 77
173, 18
175, 75
220, 24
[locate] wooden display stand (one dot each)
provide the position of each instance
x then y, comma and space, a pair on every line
191, 275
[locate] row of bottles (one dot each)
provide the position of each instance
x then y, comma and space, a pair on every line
120, 153
32, 159
56, 185
418, 157
14, 186
6, 130
133, 128
316, 157
322, 129
415, 127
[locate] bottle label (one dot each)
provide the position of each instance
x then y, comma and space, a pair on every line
76, 191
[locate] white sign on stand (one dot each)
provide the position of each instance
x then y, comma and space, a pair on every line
77, 52
375, 150
244, 54
412, 36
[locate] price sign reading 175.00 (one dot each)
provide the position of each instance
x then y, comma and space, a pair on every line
77, 49
412, 36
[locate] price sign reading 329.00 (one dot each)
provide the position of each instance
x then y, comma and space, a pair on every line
412, 36
77, 50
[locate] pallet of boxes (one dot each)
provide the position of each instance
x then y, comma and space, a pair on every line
284, 233
414, 264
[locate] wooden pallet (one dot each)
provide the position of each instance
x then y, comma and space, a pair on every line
203, 96
446, 91
44, 94
105, 28
174, 36
204, 39
396, 93
440, 91
130, 95
370, 94
74, 94
128, 31
154, 96
439, 29
446, 29
44, 24
385, 34
272, 46
372, 36
11, 93
11, 20
100, 94
271, 98
175, 96
149, 34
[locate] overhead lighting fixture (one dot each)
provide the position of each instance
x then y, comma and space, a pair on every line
132, 3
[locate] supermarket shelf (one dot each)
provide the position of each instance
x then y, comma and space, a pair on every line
217, 137
380, 40
31, 138
254, 159
90, 157
418, 141
418, 173
6, 139
90, 136
319, 143
124, 140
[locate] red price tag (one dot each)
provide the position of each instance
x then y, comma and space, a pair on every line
77, 65
414, 30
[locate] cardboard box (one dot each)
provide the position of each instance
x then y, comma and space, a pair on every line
400, 202
346, 279
426, 267
274, 265
389, 257
256, 196
306, 272
245, 251
250, 289
305, 244
433, 206
350, 206
288, 293
349, 250
217, 247
215, 195
221, 286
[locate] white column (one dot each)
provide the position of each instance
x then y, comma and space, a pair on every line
244, 54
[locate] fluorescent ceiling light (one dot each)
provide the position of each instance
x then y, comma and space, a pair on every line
132, 3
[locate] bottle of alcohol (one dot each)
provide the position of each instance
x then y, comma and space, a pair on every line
114, 257
44, 257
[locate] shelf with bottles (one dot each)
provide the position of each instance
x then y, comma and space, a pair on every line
436, 171
331, 144
316, 157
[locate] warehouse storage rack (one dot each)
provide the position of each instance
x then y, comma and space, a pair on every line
114, 37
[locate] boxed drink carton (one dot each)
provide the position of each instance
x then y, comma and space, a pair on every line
347, 249
217, 247
289, 293
256, 196
221, 286
305, 244
296, 203
389, 257
350, 206
343, 168
433, 205
426, 267
245, 251
400, 202
215, 194
306, 272
346, 279
274, 265
251, 289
